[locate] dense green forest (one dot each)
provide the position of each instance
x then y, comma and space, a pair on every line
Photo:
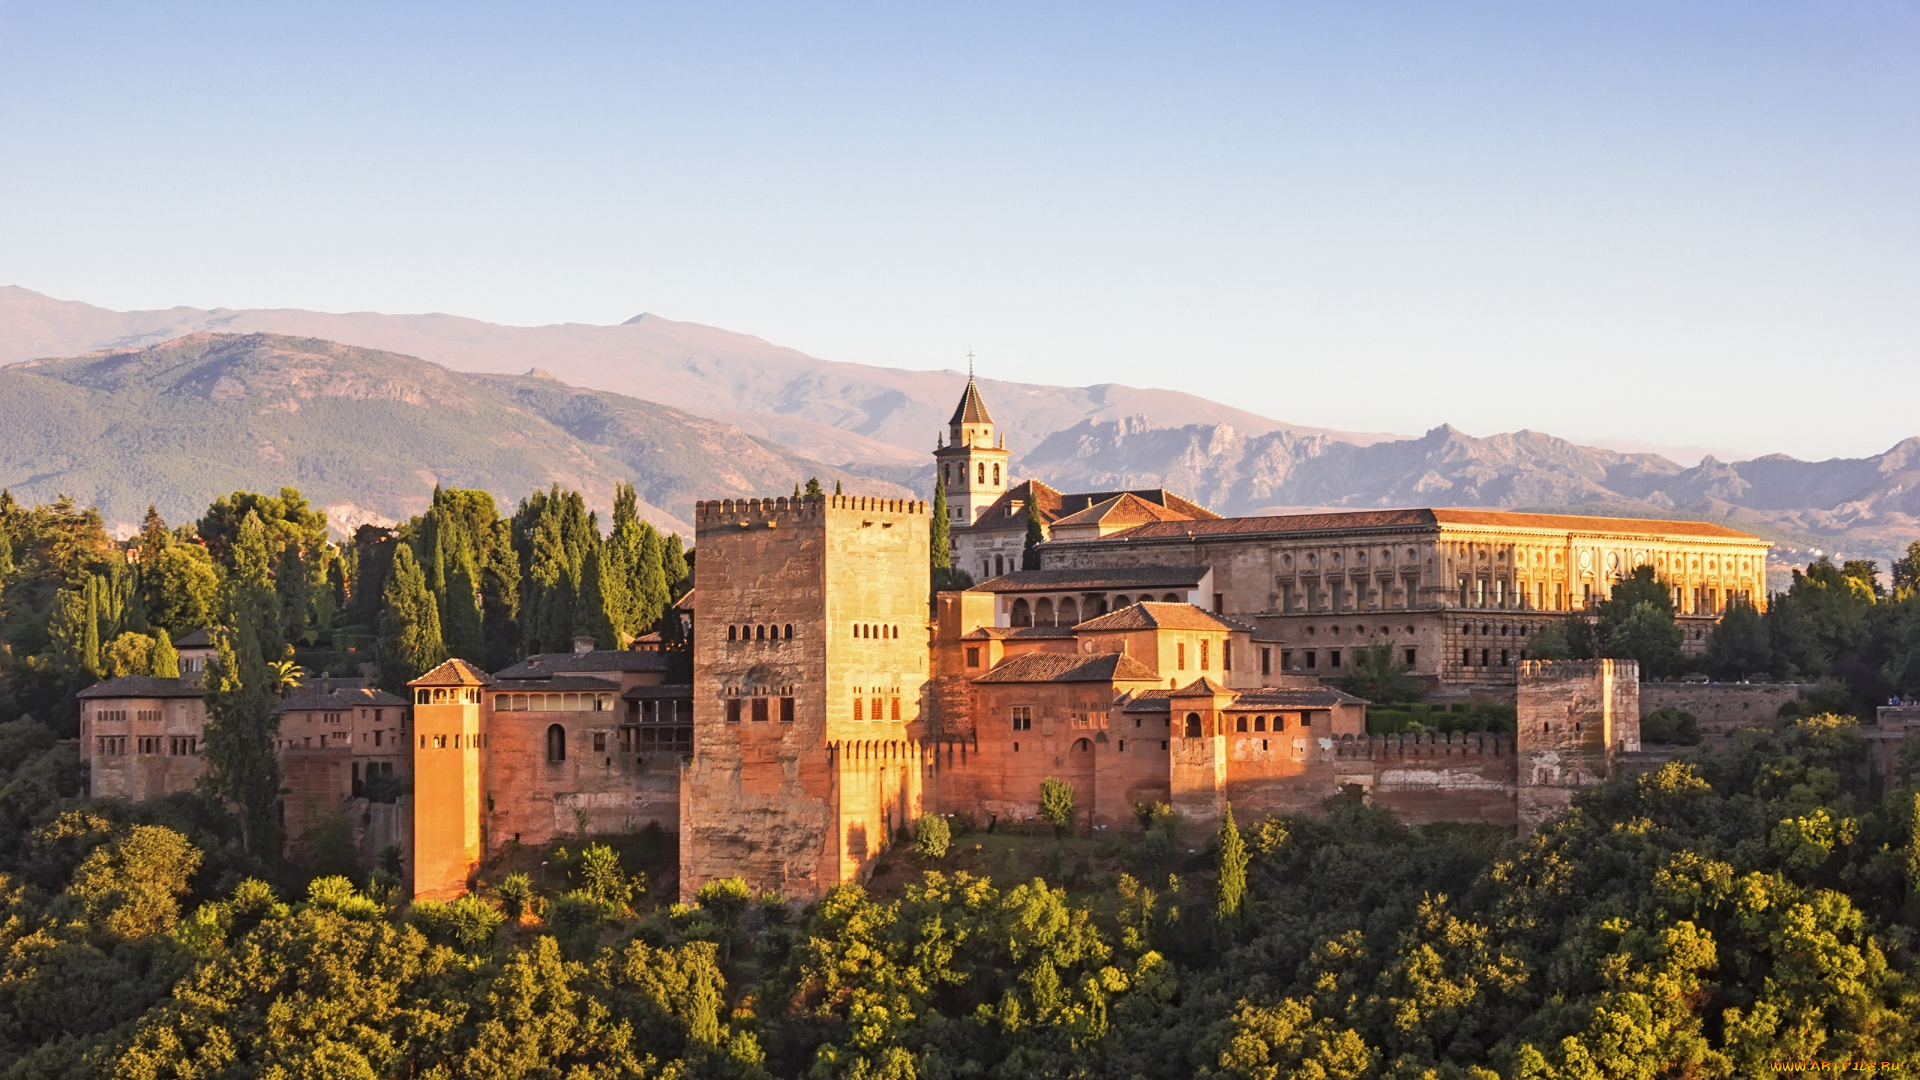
1751, 905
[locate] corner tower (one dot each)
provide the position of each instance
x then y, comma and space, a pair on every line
449, 778
973, 460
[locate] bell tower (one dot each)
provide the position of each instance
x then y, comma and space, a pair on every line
972, 459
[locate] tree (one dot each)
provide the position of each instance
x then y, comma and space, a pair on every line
931, 836
593, 611
250, 586
673, 565
238, 745
90, 629
1036, 535
154, 537
1637, 623
1230, 890
128, 654
726, 899
1057, 804
1550, 642
1740, 645
1379, 676
1906, 573
463, 626
813, 488
410, 644
164, 661
940, 550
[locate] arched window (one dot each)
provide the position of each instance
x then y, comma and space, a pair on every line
1122, 601
1043, 612
1082, 746
999, 565
996, 476
983, 474
1022, 614
760, 633
556, 744
1171, 598
1239, 723
733, 633
946, 475
789, 633
1069, 612
1193, 725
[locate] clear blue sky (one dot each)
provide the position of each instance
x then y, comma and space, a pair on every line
1685, 224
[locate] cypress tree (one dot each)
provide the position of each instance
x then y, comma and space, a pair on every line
651, 593
164, 662
410, 642
154, 537
242, 768
1036, 535
90, 628
813, 487
1231, 889
941, 549
836, 487
673, 564
465, 637
594, 608
251, 587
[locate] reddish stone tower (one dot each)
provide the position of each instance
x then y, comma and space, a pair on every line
810, 661
449, 778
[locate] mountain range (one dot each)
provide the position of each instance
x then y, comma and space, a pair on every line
688, 410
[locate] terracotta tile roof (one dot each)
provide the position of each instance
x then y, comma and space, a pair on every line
323, 695
547, 665
131, 686
1002, 633
1123, 509
455, 672
1101, 579
1266, 697
197, 639
971, 409
558, 684
1422, 518
1055, 504
682, 691
1203, 687
1069, 667
1152, 616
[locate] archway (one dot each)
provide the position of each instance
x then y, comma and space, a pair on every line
556, 744
1043, 612
1022, 614
1069, 612
1193, 725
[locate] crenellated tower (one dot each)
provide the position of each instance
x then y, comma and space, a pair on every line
973, 459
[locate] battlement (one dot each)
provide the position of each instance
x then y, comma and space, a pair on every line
1425, 744
771, 512
1573, 670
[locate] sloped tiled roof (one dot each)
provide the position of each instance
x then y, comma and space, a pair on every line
971, 409
198, 639
682, 691
1155, 616
323, 695
1102, 579
1266, 697
131, 686
455, 672
1422, 518
1016, 633
559, 684
547, 665
1054, 504
1069, 667
1202, 687
1121, 510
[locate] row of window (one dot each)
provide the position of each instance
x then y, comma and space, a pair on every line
446, 695
760, 633
170, 745
1507, 657
946, 475
119, 716
880, 704
875, 630
456, 742
553, 703
761, 710
669, 711
1337, 597
1310, 659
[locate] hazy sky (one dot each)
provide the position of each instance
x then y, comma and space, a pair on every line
1683, 224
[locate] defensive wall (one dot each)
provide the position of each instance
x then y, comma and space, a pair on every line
1575, 718
1723, 708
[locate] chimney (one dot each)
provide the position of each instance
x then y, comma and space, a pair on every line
582, 645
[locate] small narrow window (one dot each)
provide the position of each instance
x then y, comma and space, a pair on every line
1411, 653
1180, 656
859, 709
733, 710
894, 709
786, 710
1266, 661
789, 632
1239, 723
1205, 663
760, 710
556, 744
973, 656
599, 741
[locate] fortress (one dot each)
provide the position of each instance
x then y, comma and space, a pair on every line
1160, 653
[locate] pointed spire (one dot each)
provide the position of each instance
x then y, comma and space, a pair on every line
971, 410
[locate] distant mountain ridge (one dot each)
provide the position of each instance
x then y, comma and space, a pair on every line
364, 433
1869, 505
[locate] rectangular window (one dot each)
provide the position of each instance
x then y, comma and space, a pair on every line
377, 735
1219, 603
760, 710
973, 656
1286, 659
1480, 592
1466, 657
1266, 660
1205, 665
1023, 718
1586, 597
1286, 598
1306, 720
600, 741
1333, 658
626, 740
1463, 590
1312, 657
1558, 600
733, 710
1483, 656
1411, 653
1226, 655
876, 709
893, 708
859, 709
1180, 654
786, 710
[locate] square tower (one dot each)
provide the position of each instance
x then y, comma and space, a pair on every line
449, 778
809, 664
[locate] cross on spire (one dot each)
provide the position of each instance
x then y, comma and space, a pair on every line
969, 365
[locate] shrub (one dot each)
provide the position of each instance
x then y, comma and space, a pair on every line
931, 836
468, 923
515, 893
1670, 725
1057, 804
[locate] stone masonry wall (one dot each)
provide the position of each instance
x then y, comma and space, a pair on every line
1574, 718
1723, 707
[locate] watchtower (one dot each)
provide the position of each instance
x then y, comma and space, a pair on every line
449, 778
973, 460
1575, 717
810, 659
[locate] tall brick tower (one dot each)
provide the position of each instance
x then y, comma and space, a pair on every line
449, 778
972, 462
810, 656
1576, 717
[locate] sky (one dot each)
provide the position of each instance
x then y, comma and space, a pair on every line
1684, 225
